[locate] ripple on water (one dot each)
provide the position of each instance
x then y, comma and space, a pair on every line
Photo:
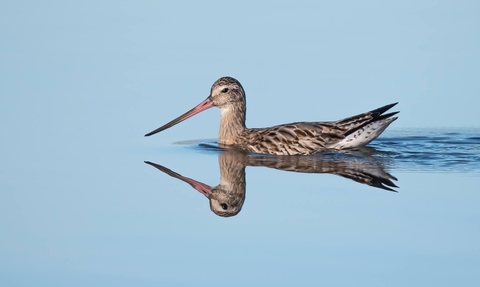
434, 150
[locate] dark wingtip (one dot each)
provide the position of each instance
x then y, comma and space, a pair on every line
386, 116
381, 110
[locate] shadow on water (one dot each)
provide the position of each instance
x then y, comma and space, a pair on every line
226, 199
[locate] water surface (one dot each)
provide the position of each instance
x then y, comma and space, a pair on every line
402, 211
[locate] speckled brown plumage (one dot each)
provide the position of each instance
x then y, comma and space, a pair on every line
287, 139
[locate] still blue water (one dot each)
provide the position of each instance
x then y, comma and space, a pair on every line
401, 212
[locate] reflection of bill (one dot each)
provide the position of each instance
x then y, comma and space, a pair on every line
226, 199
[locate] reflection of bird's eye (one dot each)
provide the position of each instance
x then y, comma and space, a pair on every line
224, 206
225, 90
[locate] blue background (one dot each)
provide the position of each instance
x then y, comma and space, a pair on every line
83, 81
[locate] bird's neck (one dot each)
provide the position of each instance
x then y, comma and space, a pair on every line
232, 123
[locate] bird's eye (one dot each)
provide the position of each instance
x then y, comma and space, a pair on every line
224, 206
225, 90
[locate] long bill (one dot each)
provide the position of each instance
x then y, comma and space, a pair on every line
206, 104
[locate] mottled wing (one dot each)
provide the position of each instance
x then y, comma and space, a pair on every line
312, 137
289, 139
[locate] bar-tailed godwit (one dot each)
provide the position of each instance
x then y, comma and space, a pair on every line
287, 139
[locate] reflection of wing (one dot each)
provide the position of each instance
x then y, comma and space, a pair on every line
357, 169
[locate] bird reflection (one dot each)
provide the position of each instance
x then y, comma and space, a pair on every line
226, 199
